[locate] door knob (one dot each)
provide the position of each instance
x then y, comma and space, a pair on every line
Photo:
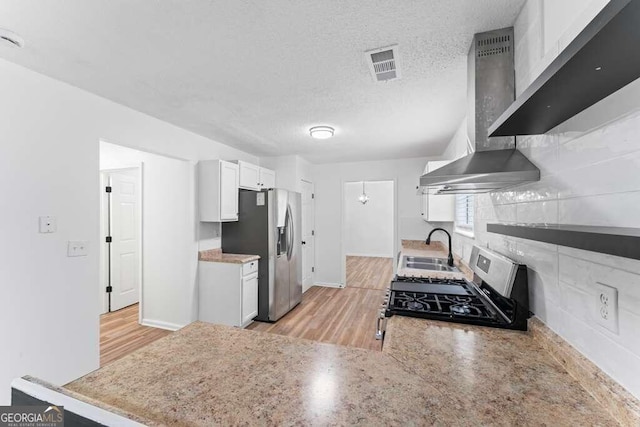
304, 243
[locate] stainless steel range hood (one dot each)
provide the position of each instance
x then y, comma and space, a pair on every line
481, 172
496, 163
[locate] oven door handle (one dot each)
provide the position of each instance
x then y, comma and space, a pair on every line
381, 325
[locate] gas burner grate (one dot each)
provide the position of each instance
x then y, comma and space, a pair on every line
470, 306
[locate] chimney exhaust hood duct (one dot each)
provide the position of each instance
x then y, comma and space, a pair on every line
496, 163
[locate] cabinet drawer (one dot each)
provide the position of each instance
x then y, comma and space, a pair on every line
249, 267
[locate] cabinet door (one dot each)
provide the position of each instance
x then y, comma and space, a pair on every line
228, 191
249, 298
424, 201
267, 178
249, 176
438, 208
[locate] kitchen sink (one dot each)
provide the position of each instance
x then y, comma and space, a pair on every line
430, 264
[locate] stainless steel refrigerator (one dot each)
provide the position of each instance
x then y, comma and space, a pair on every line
269, 225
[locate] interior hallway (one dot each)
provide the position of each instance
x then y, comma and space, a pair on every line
340, 316
121, 334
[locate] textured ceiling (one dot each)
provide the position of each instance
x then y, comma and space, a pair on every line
257, 74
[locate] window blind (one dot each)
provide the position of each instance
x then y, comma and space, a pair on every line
464, 212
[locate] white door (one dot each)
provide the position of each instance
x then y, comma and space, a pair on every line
228, 191
124, 230
308, 246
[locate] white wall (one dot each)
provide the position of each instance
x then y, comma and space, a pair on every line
49, 136
168, 239
368, 228
589, 168
329, 180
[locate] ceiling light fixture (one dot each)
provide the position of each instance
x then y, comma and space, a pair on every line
363, 198
321, 132
11, 38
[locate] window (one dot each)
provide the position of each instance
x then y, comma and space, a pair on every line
464, 214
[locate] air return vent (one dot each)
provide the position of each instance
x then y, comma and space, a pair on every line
383, 63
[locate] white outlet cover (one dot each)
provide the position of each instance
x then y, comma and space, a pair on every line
606, 307
48, 224
77, 248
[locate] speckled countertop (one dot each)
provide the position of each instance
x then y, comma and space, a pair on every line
492, 376
429, 373
216, 255
419, 248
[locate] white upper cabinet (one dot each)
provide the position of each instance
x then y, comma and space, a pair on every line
249, 176
256, 178
437, 208
267, 178
218, 183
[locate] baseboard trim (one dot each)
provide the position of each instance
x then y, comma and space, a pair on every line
161, 325
329, 284
371, 255
621, 404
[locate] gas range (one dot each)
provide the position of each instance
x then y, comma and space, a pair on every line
497, 297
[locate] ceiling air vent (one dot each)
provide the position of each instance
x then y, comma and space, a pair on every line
383, 63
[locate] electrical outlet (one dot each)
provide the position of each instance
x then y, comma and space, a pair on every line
607, 307
77, 248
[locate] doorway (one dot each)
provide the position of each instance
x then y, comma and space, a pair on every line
369, 233
308, 235
122, 245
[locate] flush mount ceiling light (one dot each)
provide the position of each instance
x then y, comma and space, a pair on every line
10, 38
321, 132
363, 198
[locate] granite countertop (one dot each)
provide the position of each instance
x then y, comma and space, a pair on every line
216, 255
436, 249
429, 373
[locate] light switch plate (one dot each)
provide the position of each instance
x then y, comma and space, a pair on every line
606, 307
48, 224
77, 248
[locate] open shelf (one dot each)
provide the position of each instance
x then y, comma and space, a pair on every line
622, 242
602, 59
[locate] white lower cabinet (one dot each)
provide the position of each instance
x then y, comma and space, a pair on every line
228, 293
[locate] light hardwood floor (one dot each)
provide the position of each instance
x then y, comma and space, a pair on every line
121, 334
369, 272
340, 316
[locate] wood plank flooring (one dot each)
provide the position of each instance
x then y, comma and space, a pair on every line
369, 272
121, 334
340, 316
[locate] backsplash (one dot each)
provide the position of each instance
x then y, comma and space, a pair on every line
589, 176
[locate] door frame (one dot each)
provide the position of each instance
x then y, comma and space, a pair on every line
343, 230
313, 228
104, 303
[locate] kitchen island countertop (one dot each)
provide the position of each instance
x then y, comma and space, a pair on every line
429, 373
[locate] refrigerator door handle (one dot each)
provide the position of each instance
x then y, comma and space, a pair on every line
290, 232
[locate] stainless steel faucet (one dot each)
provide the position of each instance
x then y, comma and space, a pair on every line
428, 242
